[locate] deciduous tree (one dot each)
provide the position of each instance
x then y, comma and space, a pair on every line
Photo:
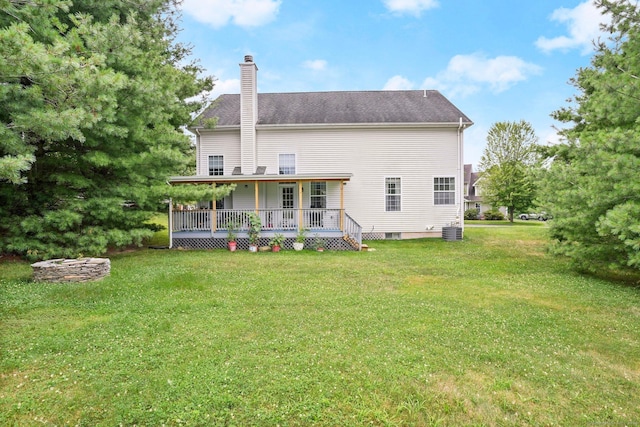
508, 165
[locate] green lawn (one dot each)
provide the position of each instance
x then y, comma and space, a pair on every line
487, 331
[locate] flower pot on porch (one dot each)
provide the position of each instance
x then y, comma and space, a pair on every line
276, 242
253, 248
232, 246
298, 246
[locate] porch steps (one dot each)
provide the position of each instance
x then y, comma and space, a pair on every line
352, 242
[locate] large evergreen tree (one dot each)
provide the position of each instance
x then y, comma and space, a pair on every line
93, 96
508, 165
593, 184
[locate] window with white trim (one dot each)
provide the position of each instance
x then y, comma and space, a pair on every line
444, 190
287, 164
393, 194
318, 195
216, 165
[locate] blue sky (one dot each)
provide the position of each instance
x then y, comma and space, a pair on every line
496, 60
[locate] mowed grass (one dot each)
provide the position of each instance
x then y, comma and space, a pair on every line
487, 331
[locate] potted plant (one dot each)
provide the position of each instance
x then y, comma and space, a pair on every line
318, 243
298, 245
276, 242
232, 232
255, 225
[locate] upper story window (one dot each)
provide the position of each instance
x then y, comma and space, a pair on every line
393, 194
444, 190
287, 164
216, 165
318, 197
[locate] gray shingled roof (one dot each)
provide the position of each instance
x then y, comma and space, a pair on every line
341, 108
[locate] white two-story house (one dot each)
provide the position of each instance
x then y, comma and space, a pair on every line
473, 198
346, 166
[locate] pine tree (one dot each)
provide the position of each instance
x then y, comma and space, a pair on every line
93, 96
593, 184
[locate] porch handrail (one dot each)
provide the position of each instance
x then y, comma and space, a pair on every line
352, 230
191, 220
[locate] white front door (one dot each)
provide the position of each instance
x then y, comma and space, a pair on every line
288, 201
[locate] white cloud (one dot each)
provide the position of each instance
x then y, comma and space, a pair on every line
583, 24
398, 83
244, 13
225, 86
316, 64
411, 7
467, 74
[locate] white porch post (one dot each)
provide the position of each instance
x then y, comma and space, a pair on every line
170, 223
342, 205
257, 195
300, 223
213, 216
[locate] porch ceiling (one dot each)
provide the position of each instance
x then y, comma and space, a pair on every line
228, 179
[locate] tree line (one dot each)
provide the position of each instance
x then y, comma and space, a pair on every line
95, 94
590, 182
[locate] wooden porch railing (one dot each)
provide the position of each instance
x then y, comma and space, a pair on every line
272, 219
276, 220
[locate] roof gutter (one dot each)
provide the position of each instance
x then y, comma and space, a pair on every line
460, 203
229, 179
197, 132
303, 126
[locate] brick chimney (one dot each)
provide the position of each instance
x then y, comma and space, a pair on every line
248, 114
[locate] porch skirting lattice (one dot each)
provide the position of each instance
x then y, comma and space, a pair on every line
373, 236
331, 243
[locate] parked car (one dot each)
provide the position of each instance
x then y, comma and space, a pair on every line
542, 216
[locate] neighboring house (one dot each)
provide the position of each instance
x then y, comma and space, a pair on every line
473, 192
346, 166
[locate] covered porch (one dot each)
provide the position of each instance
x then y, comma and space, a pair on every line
207, 227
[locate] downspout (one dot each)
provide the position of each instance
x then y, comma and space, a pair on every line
197, 151
460, 203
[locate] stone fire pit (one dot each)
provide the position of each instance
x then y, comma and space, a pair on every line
71, 270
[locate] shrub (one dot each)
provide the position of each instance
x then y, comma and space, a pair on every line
471, 213
493, 215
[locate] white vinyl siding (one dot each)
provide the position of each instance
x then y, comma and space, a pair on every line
393, 194
370, 155
248, 116
416, 154
221, 143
